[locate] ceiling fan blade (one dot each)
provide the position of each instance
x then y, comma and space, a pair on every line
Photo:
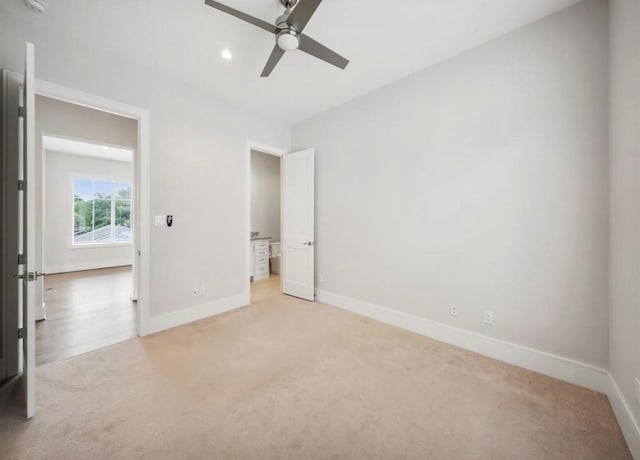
240, 15
312, 47
276, 54
302, 13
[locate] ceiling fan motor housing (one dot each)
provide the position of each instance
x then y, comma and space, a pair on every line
281, 22
287, 38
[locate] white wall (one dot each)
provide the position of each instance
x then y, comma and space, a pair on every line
265, 194
625, 201
63, 119
482, 181
59, 255
198, 163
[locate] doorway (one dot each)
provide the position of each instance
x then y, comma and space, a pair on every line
14, 323
85, 229
265, 224
294, 257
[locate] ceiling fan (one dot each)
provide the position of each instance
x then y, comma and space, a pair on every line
288, 32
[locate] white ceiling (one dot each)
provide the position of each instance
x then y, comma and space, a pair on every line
385, 41
88, 149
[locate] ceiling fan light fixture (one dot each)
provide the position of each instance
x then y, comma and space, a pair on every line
288, 40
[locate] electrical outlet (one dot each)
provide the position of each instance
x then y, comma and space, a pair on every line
638, 389
453, 310
321, 278
488, 317
202, 289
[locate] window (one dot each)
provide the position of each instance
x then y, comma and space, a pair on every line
101, 211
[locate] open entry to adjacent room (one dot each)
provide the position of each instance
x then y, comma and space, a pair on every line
86, 228
265, 225
281, 223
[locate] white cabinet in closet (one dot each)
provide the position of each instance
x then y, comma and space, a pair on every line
260, 259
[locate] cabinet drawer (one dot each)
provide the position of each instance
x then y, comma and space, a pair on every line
262, 260
261, 245
262, 269
261, 252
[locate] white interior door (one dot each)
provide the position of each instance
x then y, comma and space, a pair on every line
298, 230
27, 271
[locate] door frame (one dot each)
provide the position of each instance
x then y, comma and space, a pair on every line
270, 150
142, 219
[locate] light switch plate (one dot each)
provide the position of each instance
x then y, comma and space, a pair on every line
160, 221
488, 317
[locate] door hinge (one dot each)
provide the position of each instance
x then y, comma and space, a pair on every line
20, 184
20, 111
20, 259
21, 333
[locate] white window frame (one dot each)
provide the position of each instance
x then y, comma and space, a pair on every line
113, 243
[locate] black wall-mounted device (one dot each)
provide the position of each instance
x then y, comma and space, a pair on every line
169, 220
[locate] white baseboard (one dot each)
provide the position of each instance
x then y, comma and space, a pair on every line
87, 266
188, 315
568, 370
628, 424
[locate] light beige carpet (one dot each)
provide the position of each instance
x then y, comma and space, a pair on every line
284, 378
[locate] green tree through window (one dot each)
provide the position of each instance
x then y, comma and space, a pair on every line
102, 211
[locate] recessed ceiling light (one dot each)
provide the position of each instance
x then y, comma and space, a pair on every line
226, 54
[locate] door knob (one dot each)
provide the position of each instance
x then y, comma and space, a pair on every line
308, 243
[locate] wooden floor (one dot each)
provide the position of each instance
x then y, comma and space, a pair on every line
265, 289
85, 311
